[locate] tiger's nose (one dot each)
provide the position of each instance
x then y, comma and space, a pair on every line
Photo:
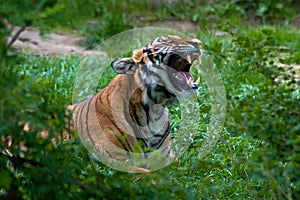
195, 42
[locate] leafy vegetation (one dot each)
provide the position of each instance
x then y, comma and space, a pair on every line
257, 156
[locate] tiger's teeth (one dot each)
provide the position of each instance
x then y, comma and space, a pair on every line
199, 59
197, 81
189, 81
188, 57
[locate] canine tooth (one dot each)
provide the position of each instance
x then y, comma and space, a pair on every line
188, 57
199, 59
197, 81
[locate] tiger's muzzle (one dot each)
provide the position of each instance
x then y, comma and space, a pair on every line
182, 62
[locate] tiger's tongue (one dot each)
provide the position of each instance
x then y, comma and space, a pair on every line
186, 76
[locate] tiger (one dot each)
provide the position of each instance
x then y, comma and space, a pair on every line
131, 113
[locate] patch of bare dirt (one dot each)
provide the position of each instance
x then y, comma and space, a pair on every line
30, 40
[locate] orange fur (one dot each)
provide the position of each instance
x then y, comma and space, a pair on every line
103, 119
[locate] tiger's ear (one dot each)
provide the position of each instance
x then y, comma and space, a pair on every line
124, 66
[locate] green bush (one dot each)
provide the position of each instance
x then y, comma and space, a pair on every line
262, 108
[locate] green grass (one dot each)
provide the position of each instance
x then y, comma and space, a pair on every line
206, 15
256, 154
56, 75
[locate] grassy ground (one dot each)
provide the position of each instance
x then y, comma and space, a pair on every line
248, 72
257, 155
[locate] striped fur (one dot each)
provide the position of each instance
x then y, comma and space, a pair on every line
131, 112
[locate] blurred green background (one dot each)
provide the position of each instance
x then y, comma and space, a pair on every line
256, 47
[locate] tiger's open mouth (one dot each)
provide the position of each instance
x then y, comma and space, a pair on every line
182, 65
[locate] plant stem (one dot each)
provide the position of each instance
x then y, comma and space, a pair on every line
15, 37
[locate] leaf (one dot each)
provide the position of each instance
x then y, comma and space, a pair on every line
5, 179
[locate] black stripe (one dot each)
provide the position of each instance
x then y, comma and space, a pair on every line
164, 90
74, 111
146, 110
164, 136
163, 55
79, 115
150, 55
133, 111
122, 138
149, 91
114, 123
158, 144
100, 99
86, 118
75, 107
120, 131
136, 131
107, 153
134, 116
107, 98
152, 92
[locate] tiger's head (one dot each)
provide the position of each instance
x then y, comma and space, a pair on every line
162, 67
